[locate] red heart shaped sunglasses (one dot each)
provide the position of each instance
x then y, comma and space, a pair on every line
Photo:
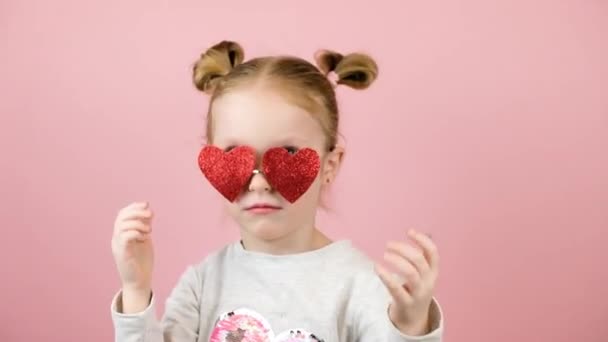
230, 171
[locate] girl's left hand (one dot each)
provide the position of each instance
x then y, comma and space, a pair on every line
409, 311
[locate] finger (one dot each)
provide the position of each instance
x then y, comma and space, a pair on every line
132, 236
134, 205
394, 286
428, 247
405, 269
135, 213
135, 209
410, 253
138, 225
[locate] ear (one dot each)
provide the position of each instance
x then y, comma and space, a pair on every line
331, 165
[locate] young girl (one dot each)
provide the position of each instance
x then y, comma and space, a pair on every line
272, 151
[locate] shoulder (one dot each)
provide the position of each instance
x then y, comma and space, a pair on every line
350, 258
365, 293
213, 260
358, 267
198, 271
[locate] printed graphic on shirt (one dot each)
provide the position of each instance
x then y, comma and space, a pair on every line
245, 325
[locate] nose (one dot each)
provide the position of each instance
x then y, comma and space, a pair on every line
258, 183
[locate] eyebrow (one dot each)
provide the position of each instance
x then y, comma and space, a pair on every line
291, 140
284, 141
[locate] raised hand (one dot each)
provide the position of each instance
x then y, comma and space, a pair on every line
417, 265
133, 254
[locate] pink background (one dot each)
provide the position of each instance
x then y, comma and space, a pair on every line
489, 122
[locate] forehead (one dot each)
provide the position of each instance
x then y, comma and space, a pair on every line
262, 118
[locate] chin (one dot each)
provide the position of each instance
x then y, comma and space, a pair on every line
265, 230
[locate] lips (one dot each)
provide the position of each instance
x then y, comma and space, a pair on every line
262, 206
262, 209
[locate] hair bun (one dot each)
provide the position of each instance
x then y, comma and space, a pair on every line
215, 63
355, 70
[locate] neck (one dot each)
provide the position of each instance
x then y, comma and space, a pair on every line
300, 241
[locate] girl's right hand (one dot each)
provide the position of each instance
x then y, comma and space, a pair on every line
132, 247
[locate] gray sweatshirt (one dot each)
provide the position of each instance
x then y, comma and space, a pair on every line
331, 294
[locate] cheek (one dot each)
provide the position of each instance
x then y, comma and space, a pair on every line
232, 209
321, 182
310, 200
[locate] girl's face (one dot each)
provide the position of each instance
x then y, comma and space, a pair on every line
261, 118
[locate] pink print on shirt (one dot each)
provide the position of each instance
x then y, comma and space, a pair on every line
244, 325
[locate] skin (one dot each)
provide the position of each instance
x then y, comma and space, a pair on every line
259, 117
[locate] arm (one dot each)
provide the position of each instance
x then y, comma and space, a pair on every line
370, 320
180, 321
434, 333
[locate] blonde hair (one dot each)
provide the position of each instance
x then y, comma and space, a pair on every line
222, 68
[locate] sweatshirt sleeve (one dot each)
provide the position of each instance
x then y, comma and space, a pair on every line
371, 321
180, 321
435, 334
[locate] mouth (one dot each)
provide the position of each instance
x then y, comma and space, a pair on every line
262, 208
